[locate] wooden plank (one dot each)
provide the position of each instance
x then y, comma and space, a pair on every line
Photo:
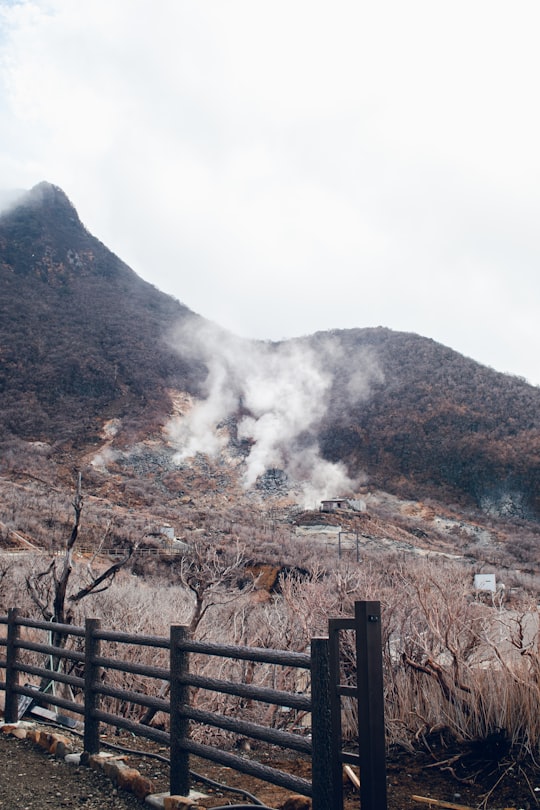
440, 803
348, 771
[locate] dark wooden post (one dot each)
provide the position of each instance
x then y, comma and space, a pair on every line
179, 666
321, 726
370, 706
91, 676
11, 708
334, 626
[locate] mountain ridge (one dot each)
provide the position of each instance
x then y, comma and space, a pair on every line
67, 303
84, 340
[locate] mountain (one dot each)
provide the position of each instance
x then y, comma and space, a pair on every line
438, 423
82, 337
84, 340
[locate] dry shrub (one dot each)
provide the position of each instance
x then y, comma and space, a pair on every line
455, 663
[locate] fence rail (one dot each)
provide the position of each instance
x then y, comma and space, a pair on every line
145, 551
90, 688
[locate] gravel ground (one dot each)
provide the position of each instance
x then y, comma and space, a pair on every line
33, 780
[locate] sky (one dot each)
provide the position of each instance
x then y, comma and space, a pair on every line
292, 166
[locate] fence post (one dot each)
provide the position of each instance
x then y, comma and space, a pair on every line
11, 708
179, 665
370, 706
92, 646
334, 626
321, 726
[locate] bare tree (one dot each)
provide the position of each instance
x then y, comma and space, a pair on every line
212, 575
49, 589
5, 568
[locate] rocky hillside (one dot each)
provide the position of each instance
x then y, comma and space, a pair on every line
85, 343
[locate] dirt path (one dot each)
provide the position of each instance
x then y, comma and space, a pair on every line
30, 779
33, 780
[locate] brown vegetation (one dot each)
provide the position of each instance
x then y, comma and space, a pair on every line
456, 664
84, 340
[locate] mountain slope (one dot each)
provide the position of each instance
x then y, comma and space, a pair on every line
439, 420
83, 340
82, 336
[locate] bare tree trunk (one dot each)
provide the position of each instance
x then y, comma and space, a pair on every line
49, 589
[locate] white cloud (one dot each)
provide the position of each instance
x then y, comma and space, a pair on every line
295, 166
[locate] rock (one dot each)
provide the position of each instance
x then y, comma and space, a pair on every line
33, 735
14, 730
141, 786
59, 745
20, 733
111, 768
44, 740
97, 761
179, 803
126, 776
296, 802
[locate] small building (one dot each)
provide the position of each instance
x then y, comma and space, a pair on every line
333, 504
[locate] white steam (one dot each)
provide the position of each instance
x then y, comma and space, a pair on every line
277, 395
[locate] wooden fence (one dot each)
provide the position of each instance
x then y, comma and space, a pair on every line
144, 551
323, 703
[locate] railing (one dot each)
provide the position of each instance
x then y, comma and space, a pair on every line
322, 665
145, 551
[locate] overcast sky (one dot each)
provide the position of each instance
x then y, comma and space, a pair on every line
291, 166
